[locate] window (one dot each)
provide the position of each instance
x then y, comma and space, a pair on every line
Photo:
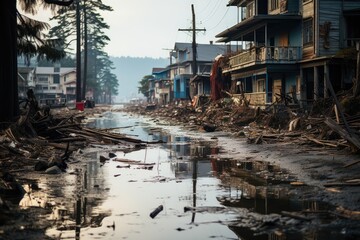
56, 69
250, 10
56, 78
43, 79
260, 85
274, 4
308, 31
205, 68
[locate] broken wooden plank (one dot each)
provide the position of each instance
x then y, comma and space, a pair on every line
321, 142
295, 215
352, 163
342, 184
69, 139
343, 133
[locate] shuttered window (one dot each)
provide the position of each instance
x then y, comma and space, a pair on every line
308, 31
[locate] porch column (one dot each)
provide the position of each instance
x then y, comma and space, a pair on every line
266, 29
316, 83
302, 88
267, 97
326, 72
255, 38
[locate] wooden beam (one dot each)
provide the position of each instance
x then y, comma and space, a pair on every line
354, 140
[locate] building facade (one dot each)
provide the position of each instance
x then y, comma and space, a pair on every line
182, 64
54, 83
292, 48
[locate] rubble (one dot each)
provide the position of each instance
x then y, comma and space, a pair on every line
44, 141
279, 122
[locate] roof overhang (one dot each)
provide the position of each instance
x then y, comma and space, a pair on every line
249, 24
200, 78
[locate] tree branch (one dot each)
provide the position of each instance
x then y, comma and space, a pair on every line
59, 2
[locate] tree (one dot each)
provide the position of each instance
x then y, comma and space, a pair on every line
144, 85
92, 36
109, 82
24, 38
68, 61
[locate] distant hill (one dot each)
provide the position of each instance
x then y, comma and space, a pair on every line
130, 70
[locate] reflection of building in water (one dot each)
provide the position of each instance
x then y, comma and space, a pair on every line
184, 168
260, 186
245, 233
78, 188
185, 152
158, 135
203, 150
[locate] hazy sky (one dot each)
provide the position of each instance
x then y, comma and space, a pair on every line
144, 28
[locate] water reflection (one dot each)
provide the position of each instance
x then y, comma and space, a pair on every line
203, 196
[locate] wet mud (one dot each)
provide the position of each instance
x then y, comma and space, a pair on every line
190, 185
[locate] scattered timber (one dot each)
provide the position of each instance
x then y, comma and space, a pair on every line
45, 138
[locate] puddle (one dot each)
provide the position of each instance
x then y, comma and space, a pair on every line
180, 189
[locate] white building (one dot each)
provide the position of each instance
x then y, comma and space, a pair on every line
50, 82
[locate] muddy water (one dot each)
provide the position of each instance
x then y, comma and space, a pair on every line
181, 189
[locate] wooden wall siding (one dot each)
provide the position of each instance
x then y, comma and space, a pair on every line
308, 52
351, 5
308, 9
328, 31
308, 12
295, 35
293, 6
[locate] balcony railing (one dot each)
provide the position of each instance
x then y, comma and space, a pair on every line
263, 55
163, 90
256, 98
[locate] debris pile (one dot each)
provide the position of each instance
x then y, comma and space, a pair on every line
43, 140
324, 124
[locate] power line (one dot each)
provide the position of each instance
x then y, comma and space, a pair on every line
193, 30
227, 10
212, 12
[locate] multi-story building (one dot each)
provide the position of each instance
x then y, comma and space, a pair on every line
50, 82
292, 47
181, 65
162, 85
68, 84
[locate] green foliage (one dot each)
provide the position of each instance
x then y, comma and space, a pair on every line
32, 42
64, 62
98, 77
144, 85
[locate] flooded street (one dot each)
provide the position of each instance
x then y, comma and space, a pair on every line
184, 184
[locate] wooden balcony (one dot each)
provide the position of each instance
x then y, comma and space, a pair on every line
264, 55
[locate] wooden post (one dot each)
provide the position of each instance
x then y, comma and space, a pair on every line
356, 88
336, 114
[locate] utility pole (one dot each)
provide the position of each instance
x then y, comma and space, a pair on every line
193, 30
78, 54
84, 80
